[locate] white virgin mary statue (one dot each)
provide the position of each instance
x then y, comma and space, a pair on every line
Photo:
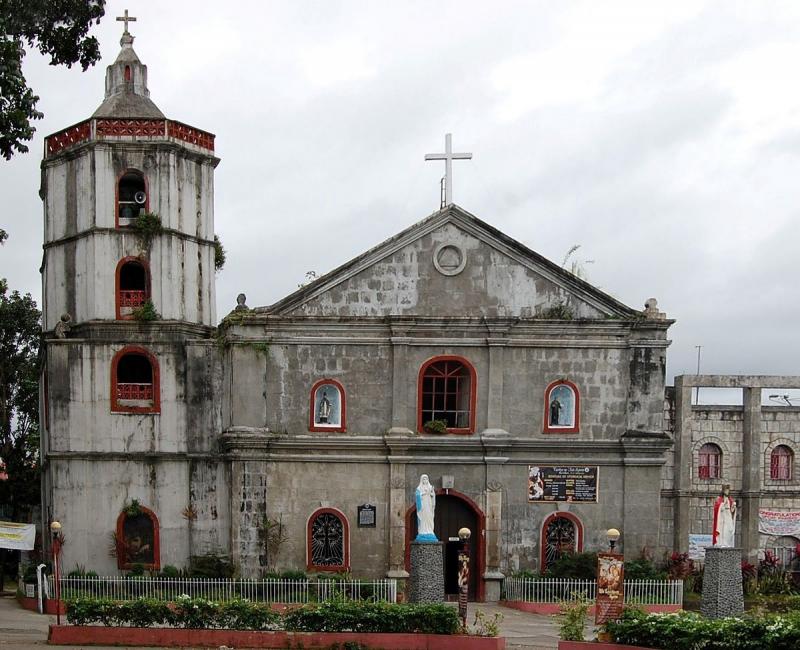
426, 505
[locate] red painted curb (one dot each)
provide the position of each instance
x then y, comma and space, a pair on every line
33, 605
590, 645
144, 636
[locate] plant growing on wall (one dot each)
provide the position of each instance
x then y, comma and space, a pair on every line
147, 226
272, 536
219, 254
146, 312
132, 509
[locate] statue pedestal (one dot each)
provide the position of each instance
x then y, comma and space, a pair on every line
722, 583
426, 582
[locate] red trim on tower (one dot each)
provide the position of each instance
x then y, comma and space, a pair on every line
116, 388
122, 560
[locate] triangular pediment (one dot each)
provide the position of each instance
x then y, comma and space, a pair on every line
450, 264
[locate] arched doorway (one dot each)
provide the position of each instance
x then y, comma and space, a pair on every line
453, 512
562, 534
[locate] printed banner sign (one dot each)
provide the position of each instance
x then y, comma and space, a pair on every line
19, 537
773, 522
562, 483
698, 545
610, 587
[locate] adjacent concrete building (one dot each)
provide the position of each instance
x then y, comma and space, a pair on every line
533, 400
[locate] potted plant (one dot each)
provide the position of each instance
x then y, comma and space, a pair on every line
435, 426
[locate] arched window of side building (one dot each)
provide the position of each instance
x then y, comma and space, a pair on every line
137, 539
710, 461
328, 407
562, 534
781, 463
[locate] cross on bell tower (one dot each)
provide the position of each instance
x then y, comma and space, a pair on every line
448, 156
126, 19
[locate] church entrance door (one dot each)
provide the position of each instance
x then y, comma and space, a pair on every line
453, 512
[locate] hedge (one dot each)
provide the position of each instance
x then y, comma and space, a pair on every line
689, 631
331, 616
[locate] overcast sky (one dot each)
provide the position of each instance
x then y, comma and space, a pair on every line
664, 138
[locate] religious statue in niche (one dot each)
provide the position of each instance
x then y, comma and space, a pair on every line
724, 519
426, 506
327, 406
138, 539
561, 412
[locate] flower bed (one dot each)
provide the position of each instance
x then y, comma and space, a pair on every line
240, 623
688, 631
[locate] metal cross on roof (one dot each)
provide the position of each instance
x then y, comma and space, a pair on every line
126, 19
448, 156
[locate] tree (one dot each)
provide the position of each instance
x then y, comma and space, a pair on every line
57, 28
20, 333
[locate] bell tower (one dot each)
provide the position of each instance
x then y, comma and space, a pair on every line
128, 210
128, 301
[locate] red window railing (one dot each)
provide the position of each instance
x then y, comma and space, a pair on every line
141, 392
132, 298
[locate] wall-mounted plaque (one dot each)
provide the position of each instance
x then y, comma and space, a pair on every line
367, 514
572, 483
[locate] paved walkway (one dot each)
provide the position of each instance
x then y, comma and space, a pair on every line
21, 629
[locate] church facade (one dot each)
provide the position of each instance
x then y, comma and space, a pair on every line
294, 435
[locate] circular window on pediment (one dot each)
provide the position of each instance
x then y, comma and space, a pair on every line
449, 259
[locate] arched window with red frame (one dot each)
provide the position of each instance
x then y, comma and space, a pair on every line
328, 541
132, 197
135, 386
562, 534
328, 411
132, 286
709, 461
137, 539
447, 387
781, 463
562, 408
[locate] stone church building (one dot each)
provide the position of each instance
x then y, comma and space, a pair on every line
534, 401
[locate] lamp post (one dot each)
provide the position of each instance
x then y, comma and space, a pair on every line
55, 528
463, 574
613, 535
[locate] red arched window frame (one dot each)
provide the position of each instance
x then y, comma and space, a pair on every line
116, 193
122, 558
575, 428
116, 407
472, 396
345, 566
709, 461
543, 534
127, 300
781, 463
342, 426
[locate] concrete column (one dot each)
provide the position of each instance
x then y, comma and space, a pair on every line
683, 464
494, 414
400, 411
494, 507
397, 523
752, 464
248, 507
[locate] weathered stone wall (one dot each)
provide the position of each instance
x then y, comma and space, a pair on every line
83, 245
745, 466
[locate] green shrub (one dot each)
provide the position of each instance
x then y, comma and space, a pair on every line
356, 616
146, 312
169, 571
571, 618
195, 613
85, 611
436, 426
219, 254
574, 565
244, 615
643, 569
144, 612
686, 631
211, 565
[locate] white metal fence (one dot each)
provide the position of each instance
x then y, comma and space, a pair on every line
552, 590
268, 591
